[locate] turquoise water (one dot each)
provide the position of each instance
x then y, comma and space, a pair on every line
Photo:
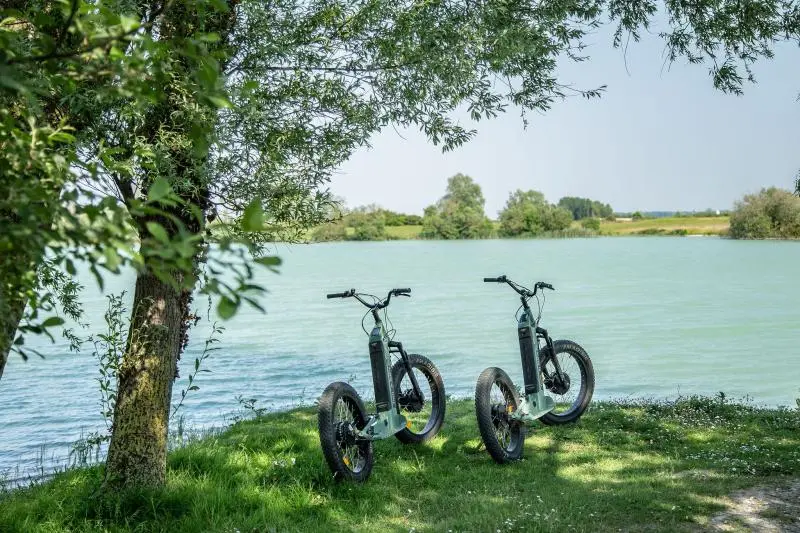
658, 316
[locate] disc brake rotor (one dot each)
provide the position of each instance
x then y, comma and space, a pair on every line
410, 401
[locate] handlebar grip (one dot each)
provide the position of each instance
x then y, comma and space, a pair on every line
345, 294
547, 286
489, 280
404, 292
498, 279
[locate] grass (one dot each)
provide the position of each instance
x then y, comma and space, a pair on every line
667, 226
403, 232
630, 466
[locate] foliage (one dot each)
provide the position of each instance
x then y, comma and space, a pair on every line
66, 69
331, 231
366, 223
401, 219
772, 213
584, 207
591, 223
637, 215
459, 214
527, 214
670, 464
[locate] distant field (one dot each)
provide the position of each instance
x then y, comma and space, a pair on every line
403, 232
692, 225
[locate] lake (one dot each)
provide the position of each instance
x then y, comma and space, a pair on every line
659, 317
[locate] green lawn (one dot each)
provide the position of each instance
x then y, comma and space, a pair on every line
623, 467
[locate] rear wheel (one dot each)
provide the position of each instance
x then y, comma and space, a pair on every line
424, 415
496, 399
341, 414
571, 392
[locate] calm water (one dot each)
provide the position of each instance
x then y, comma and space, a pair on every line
658, 316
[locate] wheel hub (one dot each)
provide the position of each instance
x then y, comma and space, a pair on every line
346, 433
556, 385
410, 402
500, 414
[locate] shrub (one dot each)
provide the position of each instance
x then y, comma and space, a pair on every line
772, 213
591, 223
527, 214
332, 231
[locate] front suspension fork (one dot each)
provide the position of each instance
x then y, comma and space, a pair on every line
559, 374
409, 370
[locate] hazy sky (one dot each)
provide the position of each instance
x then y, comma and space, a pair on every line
658, 139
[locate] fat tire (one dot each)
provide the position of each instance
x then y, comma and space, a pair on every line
438, 400
483, 412
327, 432
587, 381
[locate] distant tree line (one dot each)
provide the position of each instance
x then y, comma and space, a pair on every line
364, 223
585, 208
460, 214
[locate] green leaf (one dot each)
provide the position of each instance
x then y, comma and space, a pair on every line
113, 260
210, 37
128, 24
159, 189
193, 387
227, 307
70, 266
61, 136
269, 261
253, 217
52, 322
19, 341
158, 231
221, 102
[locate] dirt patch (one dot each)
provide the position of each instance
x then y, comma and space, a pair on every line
762, 509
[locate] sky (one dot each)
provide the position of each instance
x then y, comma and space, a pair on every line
658, 139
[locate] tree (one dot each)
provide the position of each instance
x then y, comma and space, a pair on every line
459, 214
368, 223
772, 213
527, 214
584, 207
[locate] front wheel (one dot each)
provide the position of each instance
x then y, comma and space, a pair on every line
425, 414
572, 390
341, 414
496, 399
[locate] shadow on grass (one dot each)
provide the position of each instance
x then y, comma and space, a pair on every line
630, 467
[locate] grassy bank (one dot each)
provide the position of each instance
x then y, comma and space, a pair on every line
625, 466
667, 226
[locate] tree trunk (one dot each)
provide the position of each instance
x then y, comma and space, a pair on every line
12, 308
138, 451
